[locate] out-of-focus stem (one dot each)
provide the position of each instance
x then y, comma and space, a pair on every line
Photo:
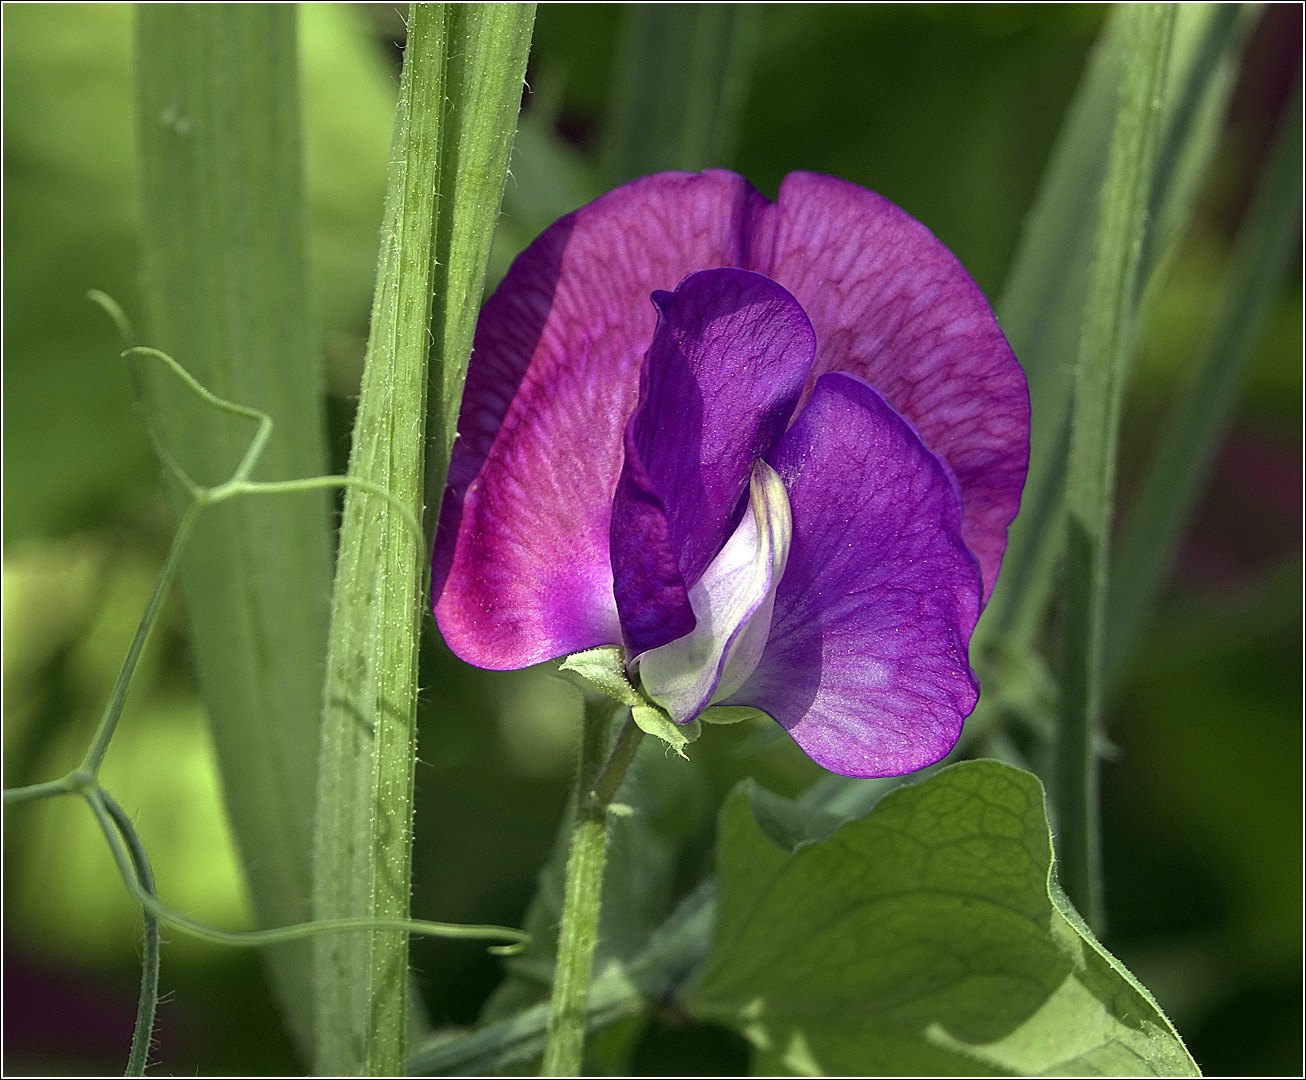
1106, 345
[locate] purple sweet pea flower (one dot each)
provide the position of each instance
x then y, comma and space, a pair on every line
785, 484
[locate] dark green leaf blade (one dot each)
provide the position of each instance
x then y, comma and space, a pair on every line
925, 938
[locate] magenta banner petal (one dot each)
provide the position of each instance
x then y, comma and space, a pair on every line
892, 304
719, 384
866, 664
553, 379
599, 470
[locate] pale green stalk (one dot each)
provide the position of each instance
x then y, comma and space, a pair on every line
223, 246
1105, 349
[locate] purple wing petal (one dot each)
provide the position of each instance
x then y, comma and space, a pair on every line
719, 384
891, 304
866, 665
652, 598
521, 568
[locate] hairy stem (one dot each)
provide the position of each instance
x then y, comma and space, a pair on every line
596, 786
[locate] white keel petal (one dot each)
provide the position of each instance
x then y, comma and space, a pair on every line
732, 602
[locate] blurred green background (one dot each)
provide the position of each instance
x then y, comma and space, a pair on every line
949, 111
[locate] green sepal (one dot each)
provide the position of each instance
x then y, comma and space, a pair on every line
654, 721
602, 670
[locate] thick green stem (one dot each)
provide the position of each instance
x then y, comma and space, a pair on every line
362, 844
582, 900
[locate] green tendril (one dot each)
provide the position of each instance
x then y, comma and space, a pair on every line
264, 421
124, 842
152, 938
96, 796
114, 310
32, 792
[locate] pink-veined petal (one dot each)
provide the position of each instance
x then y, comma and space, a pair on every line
890, 303
554, 378
521, 566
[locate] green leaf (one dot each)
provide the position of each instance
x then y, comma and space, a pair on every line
928, 937
223, 240
789, 824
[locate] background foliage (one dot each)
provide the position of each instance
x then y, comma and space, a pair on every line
950, 112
